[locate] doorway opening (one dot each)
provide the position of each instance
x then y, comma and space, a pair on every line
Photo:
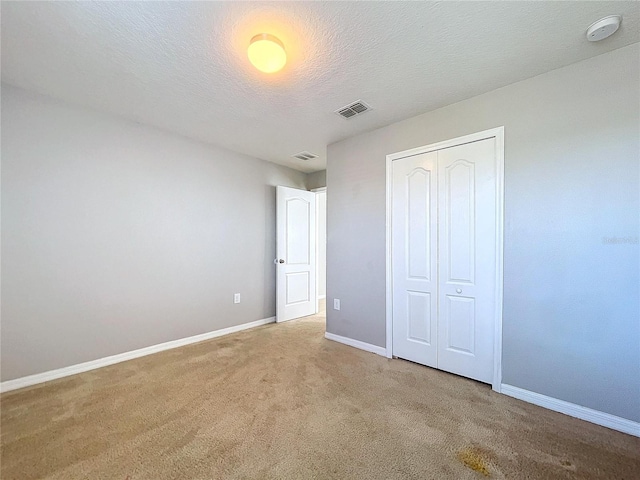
301, 252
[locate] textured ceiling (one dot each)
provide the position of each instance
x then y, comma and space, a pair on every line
182, 66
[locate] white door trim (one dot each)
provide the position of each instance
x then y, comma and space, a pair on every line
498, 134
319, 297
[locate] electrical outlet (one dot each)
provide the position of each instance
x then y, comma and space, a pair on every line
336, 304
236, 298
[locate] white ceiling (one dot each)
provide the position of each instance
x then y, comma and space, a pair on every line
182, 66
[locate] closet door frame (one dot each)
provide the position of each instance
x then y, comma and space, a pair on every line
498, 134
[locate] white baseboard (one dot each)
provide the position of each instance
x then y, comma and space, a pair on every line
573, 410
122, 357
357, 344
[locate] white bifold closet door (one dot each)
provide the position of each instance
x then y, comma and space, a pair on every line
414, 258
444, 258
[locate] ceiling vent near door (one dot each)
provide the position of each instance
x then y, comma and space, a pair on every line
305, 155
353, 109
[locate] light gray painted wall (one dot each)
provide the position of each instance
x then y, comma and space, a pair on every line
571, 307
116, 236
316, 179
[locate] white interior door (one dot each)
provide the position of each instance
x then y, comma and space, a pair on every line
296, 251
414, 244
443, 251
467, 259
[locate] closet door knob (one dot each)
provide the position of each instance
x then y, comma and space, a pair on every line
458, 290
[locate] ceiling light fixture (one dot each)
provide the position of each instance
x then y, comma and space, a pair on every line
266, 53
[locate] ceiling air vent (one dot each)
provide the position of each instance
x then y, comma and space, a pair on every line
305, 155
353, 109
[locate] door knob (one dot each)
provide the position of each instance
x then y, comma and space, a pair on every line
281, 261
458, 290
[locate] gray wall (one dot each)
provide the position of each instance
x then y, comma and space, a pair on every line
571, 306
316, 179
116, 236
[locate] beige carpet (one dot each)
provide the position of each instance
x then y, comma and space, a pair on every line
280, 401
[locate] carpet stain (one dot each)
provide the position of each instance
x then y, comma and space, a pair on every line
473, 458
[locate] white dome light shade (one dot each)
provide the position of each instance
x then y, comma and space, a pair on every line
266, 53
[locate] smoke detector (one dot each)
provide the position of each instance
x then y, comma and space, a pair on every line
305, 155
603, 28
353, 109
